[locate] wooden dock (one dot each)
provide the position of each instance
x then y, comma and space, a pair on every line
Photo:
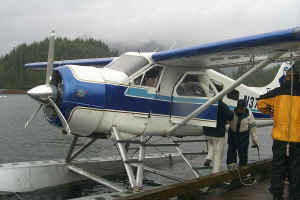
257, 191
193, 189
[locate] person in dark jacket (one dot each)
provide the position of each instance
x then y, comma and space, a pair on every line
216, 137
241, 126
284, 104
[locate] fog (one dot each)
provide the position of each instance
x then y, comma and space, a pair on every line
169, 22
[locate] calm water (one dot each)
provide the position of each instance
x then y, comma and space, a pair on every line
42, 141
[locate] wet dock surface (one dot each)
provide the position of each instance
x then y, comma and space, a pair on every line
256, 191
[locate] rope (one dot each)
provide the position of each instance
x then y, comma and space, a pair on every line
236, 169
242, 181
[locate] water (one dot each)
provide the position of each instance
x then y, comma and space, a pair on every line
42, 141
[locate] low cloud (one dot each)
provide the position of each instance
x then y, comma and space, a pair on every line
135, 21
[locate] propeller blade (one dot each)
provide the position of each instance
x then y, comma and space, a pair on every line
50, 57
61, 117
33, 115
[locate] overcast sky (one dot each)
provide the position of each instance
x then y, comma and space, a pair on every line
188, 22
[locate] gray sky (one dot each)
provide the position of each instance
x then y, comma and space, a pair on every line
188, 22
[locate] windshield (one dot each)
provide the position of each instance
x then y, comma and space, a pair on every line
128, 64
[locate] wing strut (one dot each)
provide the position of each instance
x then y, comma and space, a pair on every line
213, 100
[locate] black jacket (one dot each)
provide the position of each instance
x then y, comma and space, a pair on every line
224, 114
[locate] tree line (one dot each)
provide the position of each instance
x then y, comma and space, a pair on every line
13, 75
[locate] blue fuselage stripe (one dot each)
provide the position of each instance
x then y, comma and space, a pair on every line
127, 99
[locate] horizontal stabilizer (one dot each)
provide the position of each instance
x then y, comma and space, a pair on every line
280, 76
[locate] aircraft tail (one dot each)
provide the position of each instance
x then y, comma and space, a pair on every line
280, 76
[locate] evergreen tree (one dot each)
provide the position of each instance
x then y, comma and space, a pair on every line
13, 75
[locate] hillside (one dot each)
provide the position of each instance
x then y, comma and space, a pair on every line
14, 76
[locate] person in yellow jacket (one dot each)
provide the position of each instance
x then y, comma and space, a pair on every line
284, 104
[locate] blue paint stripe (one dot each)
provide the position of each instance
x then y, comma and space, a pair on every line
143, 93
190, 100
282, 36
258, 115
139, 92
181, 102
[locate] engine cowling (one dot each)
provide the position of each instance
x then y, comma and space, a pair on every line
80, 97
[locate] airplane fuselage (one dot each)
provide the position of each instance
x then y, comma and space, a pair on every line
95, 99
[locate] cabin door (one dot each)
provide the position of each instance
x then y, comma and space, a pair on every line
143, 92
193, 90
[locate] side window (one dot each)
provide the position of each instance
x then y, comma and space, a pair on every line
191, 86
219, 86
138, 80
211, 91
151, 77
234, 95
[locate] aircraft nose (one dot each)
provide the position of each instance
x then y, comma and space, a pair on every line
42, 93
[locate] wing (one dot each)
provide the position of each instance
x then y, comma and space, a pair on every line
97, 62
235, 52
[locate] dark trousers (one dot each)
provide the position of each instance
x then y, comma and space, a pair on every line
283, 165
238, 144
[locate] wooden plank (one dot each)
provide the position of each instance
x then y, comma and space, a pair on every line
190, 186
258, 191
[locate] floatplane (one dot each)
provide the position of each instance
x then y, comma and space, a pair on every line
170, 94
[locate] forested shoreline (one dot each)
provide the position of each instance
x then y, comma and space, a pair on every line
13, 75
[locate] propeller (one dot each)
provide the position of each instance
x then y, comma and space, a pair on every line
46, 94
32, 116
66, 128
50, 58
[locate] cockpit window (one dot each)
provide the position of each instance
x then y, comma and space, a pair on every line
128, 64
192, 85
219, 86
151, 77
138, 80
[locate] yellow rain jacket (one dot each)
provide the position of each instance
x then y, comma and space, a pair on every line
277, 102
